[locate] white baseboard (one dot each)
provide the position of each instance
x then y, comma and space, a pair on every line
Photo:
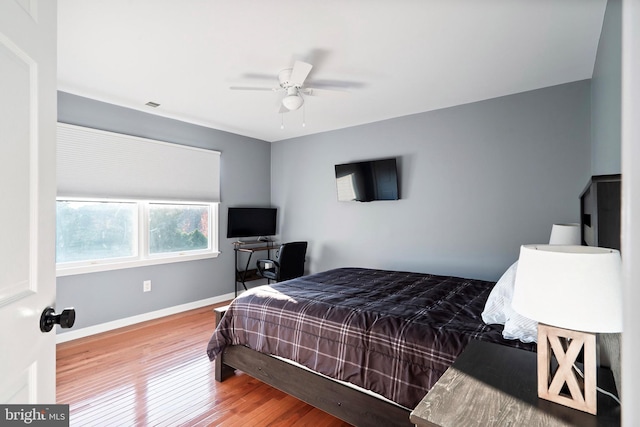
128, 321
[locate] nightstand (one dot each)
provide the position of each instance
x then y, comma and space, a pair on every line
495, 385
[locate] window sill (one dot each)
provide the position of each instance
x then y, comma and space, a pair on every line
94, 268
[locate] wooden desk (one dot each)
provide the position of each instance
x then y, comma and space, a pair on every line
247, 274
494, 385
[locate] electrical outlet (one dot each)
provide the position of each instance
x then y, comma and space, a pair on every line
146, 286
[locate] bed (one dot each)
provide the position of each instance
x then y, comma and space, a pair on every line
390, 334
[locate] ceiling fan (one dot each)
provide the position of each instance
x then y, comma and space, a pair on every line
291, 87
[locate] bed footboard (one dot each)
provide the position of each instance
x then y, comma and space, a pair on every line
347, 403
222, 371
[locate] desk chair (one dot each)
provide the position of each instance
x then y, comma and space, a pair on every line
289, 263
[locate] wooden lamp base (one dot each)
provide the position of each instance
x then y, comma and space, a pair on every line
566, 345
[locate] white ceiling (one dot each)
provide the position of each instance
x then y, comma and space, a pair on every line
394, 57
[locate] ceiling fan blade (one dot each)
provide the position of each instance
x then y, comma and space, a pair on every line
317, 57
282, 109
335, 84
299, 73
314, 91
258, 76
252, 88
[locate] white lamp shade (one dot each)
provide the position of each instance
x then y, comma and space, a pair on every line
572, 287
565, 234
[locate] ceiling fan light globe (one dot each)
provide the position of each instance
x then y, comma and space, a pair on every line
292, 102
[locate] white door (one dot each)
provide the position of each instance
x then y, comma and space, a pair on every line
27, 198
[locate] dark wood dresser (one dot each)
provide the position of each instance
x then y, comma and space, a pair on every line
494, 385
600, 212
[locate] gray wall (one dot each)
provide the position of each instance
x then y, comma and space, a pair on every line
606, 95
606, 131
477, 181
245, 180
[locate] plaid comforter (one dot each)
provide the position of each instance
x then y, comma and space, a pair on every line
391, 332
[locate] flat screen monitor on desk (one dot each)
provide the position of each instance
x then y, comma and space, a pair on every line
251, 222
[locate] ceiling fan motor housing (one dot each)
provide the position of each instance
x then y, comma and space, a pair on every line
293, 100
283, 78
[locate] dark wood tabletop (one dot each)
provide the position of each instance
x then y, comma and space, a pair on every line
494, 385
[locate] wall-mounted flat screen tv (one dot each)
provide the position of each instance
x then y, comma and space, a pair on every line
367, 181
251, 222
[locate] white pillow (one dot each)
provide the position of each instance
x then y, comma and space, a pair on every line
498, 310
499, 301
520, 328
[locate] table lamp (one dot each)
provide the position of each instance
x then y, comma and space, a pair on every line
573, 292
565, 234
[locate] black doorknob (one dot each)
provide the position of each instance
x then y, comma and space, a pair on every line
66, 319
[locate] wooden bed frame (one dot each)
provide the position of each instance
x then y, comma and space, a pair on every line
344, 402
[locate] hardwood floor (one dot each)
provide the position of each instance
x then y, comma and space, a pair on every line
157, 373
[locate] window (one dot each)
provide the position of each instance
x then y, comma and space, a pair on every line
88, 231
98, 235
125, 201
178, 228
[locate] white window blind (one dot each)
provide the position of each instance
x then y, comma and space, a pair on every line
94, 163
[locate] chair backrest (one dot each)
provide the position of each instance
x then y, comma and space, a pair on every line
291, 259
